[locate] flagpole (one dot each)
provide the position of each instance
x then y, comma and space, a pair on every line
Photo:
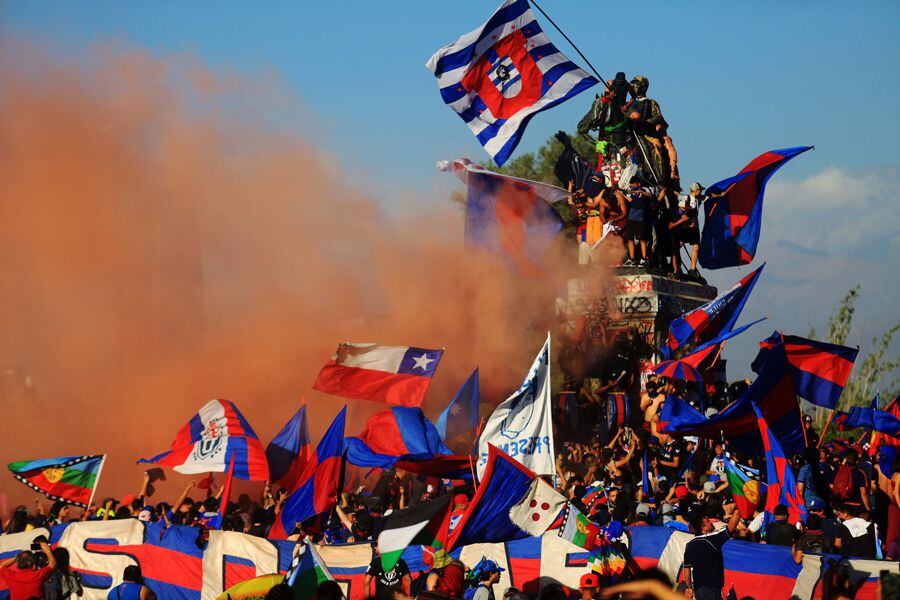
96, 483
571, 43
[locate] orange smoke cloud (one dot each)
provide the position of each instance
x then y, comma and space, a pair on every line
159, 248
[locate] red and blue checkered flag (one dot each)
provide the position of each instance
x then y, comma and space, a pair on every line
497, 77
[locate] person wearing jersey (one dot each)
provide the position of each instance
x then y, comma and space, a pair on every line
132, 586
704, 565
638, 225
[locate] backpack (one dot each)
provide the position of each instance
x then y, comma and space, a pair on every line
469, 592
843, 482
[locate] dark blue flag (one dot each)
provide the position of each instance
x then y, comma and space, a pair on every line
460, 418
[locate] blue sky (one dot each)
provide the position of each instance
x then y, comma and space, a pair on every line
733, 78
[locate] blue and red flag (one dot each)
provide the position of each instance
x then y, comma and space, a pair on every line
509, 216
289, 451
646, 488
869, 418
781, 485
218, 435
733, 221
497, 77
504, 484
319, 483
774, 392
713, 319
460, 418
401, 436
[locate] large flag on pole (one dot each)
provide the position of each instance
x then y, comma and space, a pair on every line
745, 487
397, 375
522, 425
460, 418
71, 479
782, 485
214, 437
497, 77
733, 220
509, 216
716, 317
289, 451
319, 483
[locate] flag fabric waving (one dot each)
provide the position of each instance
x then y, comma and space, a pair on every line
745, 487
402, 436
504, 484
733, 220
418, 525
307, 571
716, 317
538, 509
781, 483
578, 529
522, 424
869, 418
398, 375
511, 217
820, 370
214, 437
319, 483
460, 418
497, 77
289, 451
71, 479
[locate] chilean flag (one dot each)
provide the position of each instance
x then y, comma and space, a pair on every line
290, 451
318, 484
497, 77
218, 435
714, 318
398, 375
401, 436
733, 221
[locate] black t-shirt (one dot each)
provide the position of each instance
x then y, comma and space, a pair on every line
668, 453
703, 555
833, 530
387, 583
781, 533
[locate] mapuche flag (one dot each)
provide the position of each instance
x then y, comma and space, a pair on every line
398, 375
421, 525
734, 218
744, 486
71, 479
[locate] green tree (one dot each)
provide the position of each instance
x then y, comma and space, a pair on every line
874, 370
538, 165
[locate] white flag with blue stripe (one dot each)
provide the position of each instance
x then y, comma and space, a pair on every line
500, 75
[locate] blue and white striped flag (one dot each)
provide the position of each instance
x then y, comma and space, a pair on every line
500, 75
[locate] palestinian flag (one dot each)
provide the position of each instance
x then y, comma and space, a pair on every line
419, 525
745, 488
71, 479
307, 571
578, 529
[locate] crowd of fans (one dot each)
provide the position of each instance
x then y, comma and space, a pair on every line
853, 508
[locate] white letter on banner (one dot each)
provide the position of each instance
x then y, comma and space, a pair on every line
260, 551
555, 553
126, 532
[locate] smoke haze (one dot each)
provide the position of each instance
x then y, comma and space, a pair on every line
163, 245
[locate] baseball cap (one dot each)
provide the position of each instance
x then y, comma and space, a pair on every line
642, 510
807, 418
486, 565
816, 504
441, 559
696, 186
589, 581
681, 491
709, 487
692, 439
460, 499
127, 499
